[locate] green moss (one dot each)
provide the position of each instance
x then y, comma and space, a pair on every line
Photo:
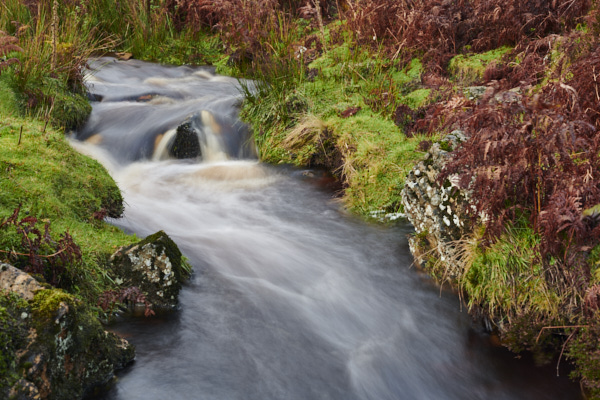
416, 98
410, 74
377, 167
55, 184
47, 302
328, 64
445, 145
468, 69
13, 313
52, 180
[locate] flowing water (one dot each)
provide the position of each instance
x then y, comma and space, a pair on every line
290, 298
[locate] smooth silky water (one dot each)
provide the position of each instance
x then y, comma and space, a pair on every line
291, 298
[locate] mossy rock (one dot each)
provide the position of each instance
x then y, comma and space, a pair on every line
13, 331
154, 265
70, 110
65, 108
467, 69
53, 347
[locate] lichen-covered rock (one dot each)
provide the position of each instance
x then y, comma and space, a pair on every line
475, 92
53, 347
156, 266
24, 390
437, 211
14, 280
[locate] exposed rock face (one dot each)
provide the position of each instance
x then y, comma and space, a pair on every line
436, 211
475, 92
51, 345
14, 280
156, 266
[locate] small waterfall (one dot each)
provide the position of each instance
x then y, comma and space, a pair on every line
178, 112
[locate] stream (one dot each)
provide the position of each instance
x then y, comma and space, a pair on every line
291, 297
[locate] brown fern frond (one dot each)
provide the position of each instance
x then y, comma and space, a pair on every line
8, 44
537, 158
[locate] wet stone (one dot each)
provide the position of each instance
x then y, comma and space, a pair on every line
156, 266
186, 143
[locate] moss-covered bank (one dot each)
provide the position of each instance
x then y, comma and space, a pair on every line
61, 198
48, 180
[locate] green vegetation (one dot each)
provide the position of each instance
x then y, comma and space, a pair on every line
504, 280
337, 113
468, 69
55, 184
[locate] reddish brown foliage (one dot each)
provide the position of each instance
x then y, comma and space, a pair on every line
431, 118
441, 28
579, 96
194, 14
533, 158
244, 25
535, 55
44, 255
129, 295
424, 145
585, 80
350, 111
100, 215
591, 302
410, 121
8, 44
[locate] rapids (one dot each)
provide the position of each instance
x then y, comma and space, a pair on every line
291, 298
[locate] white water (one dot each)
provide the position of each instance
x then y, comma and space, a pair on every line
291, 298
